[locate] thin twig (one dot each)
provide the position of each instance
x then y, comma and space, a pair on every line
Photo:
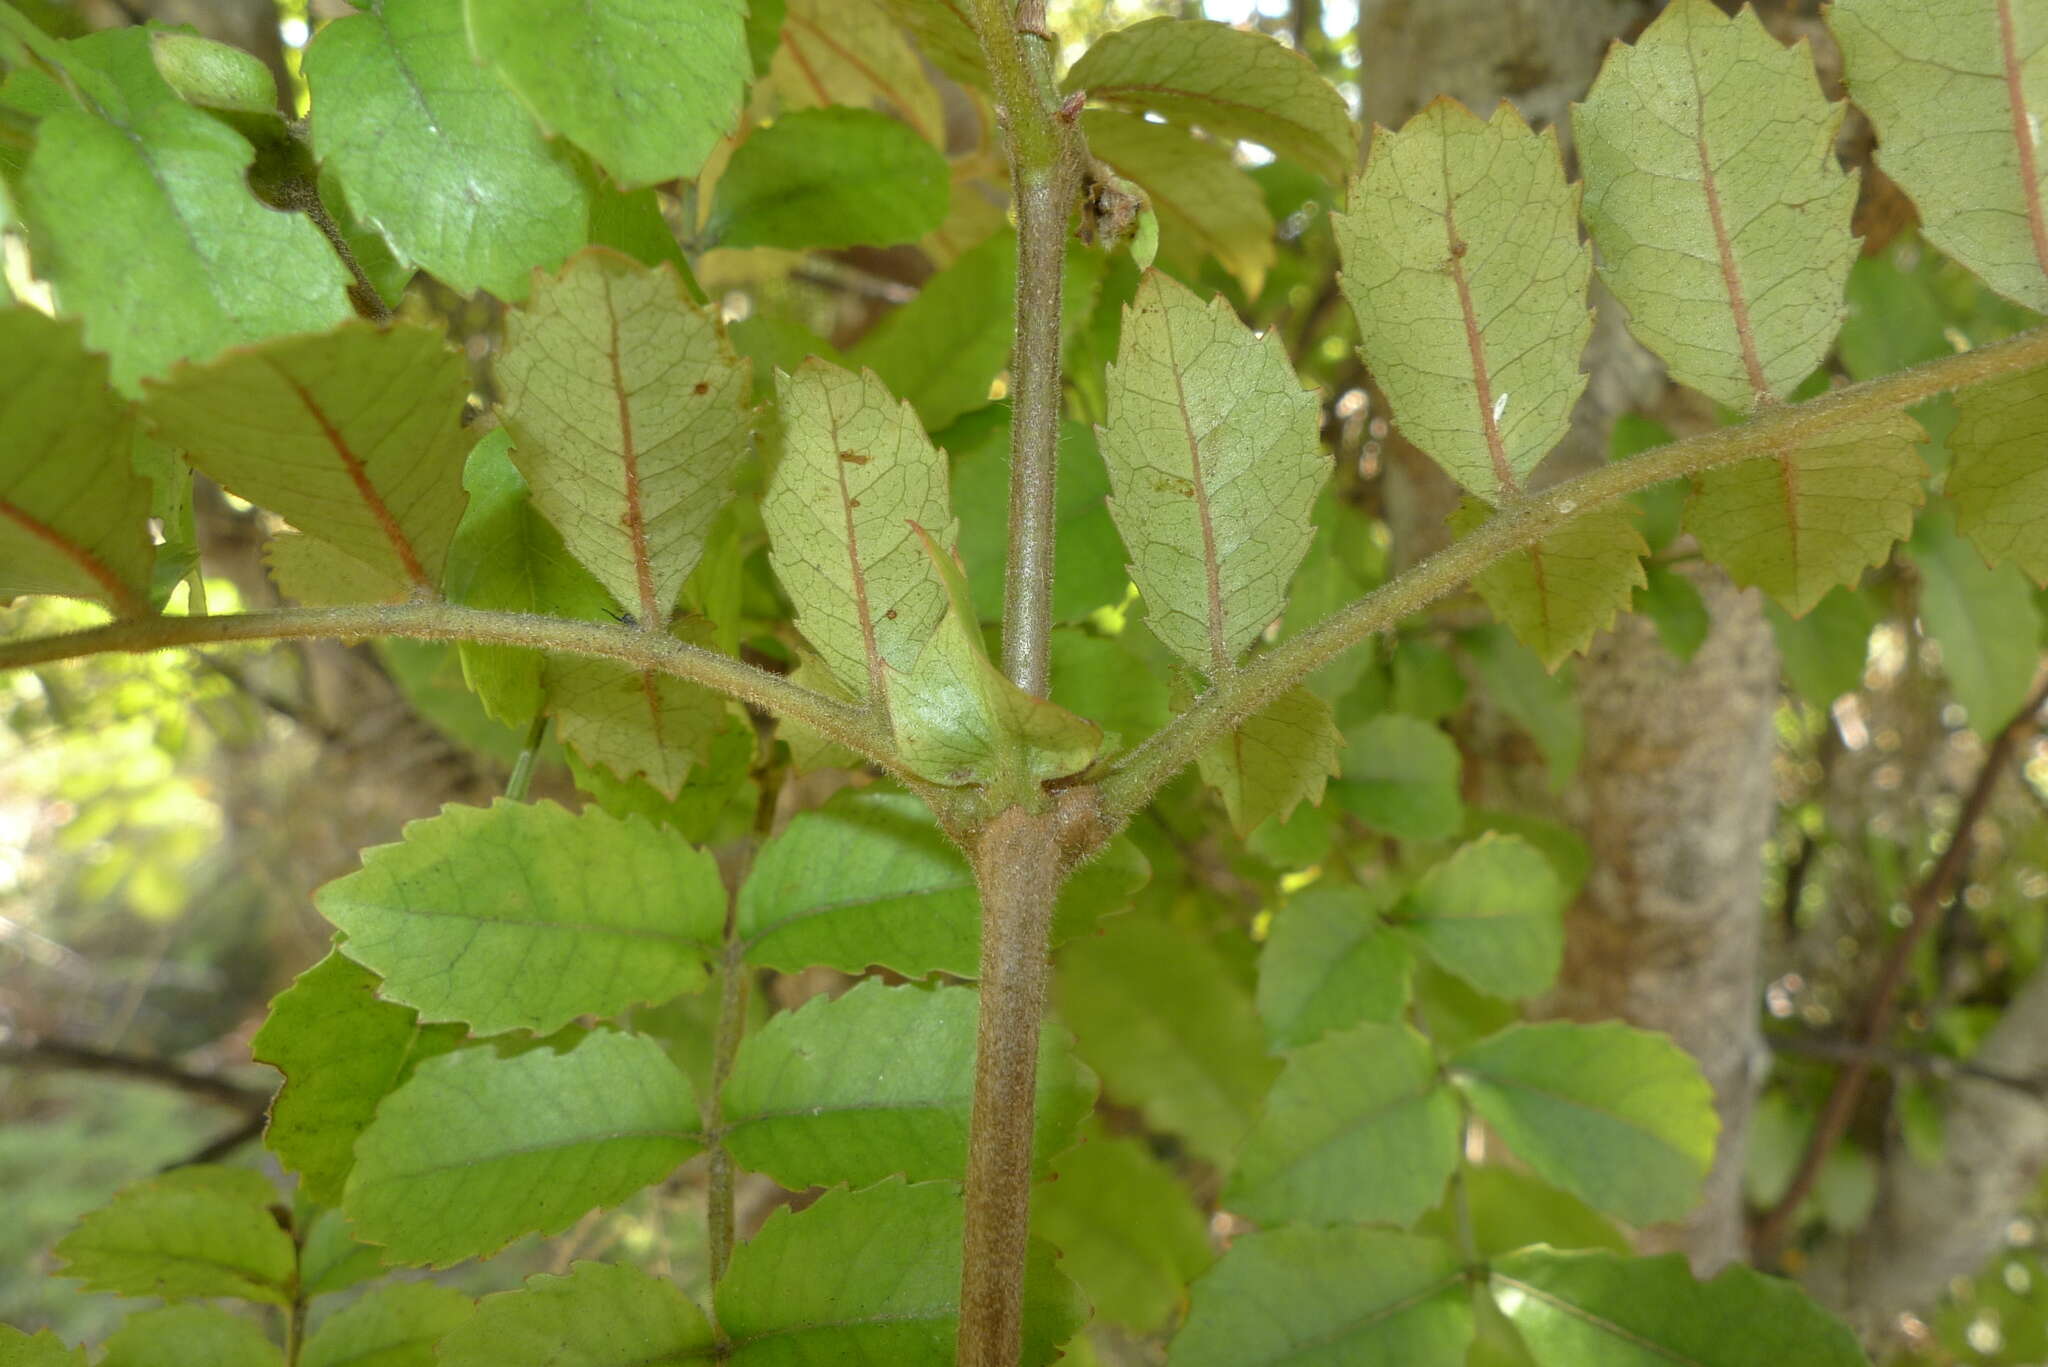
50, 1053
217, 1149
1881, 1011
1838, 1050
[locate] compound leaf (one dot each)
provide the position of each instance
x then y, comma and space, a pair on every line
341, 1050
599, 1315
1215, 462
1128, 1232
901, 895
74, 512
1207, 205
1997, 479
856, 471
1601, 1309
391, 1326
1463, 263
353, 436
873, 1276
1801, 521
143, 223
525, 916
192, 1232
875, 1082
477, 1149
1714, 198
437, 152
834, 177
1159, 1015
1618, 1116
1954, 89
627, 409
1232, 82
190, 1336
1360, 1297
1492, 913
1559, 593
1358, 1128
1330, 962
646, 87
1277, 758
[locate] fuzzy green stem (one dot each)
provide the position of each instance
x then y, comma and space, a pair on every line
521, 781
1018, 867
1523, 523
851, 726
1045, 167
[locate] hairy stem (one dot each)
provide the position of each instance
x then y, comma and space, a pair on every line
1045, 164
1018, 867
851, 726
1522, 523
732, 1022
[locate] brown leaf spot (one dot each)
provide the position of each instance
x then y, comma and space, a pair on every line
852, 459
890, 614
701, 387
853, 503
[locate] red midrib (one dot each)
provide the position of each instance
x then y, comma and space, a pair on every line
101, 573
652, 617
1731, 276
1475, 343
360, 477
2022, 132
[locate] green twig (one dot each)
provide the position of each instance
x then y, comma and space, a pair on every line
529, 754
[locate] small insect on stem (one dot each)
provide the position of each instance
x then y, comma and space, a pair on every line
617, 615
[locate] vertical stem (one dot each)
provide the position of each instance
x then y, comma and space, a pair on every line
732, 1019
1018, 866
1045, 164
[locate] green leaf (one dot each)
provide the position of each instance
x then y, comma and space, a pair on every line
1160, 1017
44, 1349
1824, 651
834, 177
848, 52
856, 471
600, 1315
74, 513
1233, 82
1401, 777
627, 409
1463, 263
392, 1326
1801, 521
1561, 592
873, 1276
1116, 680
1599, 1309
190, 1336
1998, 481
1128, 1232
1542, 703
1359, 1128
1330, 962
506, 556
330, 1259
354, 436
525, 916
940, 351
1329, 1298
632, 721
1714, 198
1676, 609
341, 1050
144, 225
1204, 202
213, 75
959, 720
1983, 620
1091, 570
1215, 458
901, 895
945, 32
647, 88
1618, 1116
437, 152
1510, 1210
1426, 680
477, 1149
1953, 91
875, 1082
1277, 758
1492, 913
190, 1233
